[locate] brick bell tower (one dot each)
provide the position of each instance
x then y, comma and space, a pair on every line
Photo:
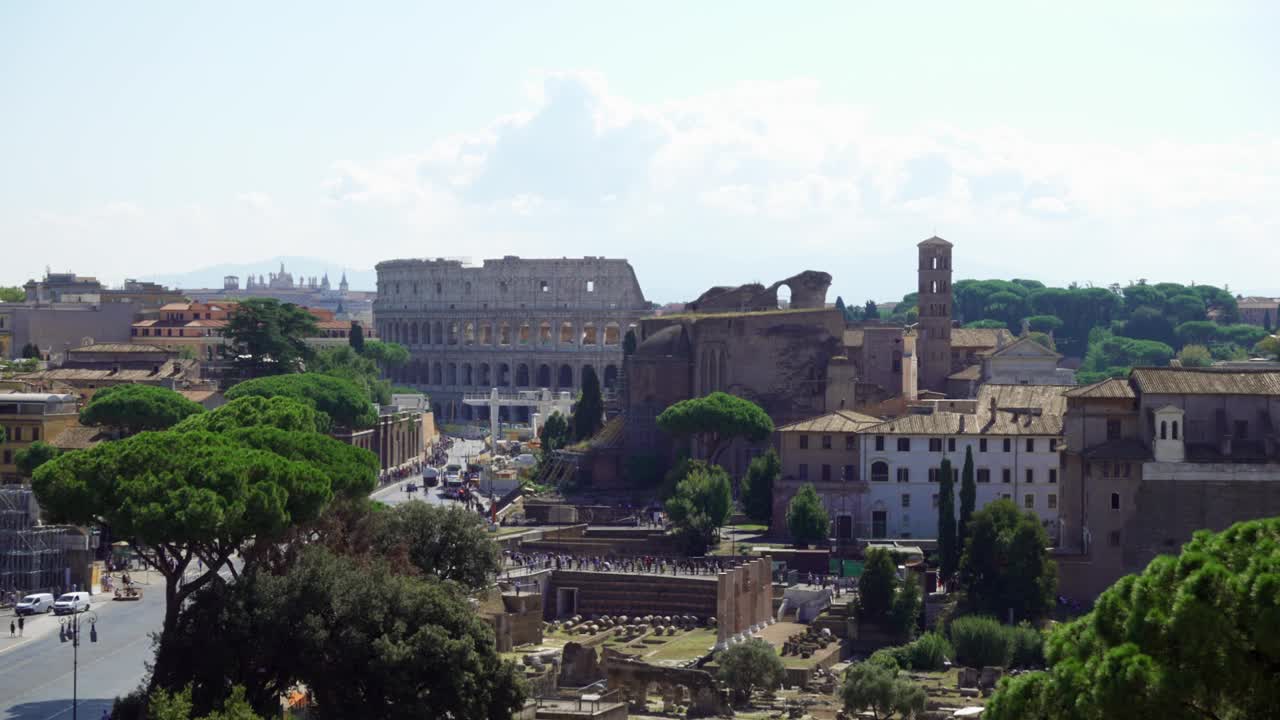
933, 338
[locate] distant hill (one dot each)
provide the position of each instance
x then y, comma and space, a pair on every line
211, 277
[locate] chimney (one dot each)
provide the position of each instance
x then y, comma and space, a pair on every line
961, 425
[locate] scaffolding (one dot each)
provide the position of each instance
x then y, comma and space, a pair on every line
33, 557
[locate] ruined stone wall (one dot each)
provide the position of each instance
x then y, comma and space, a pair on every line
512, 324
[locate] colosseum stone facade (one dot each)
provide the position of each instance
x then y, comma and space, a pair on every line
512, 324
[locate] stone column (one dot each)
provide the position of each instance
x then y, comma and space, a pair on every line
723, 631
766, 570
739, 603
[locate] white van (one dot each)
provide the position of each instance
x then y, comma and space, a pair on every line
72, 602
34, 603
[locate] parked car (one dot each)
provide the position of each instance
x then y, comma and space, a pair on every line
34, 603
525, 460
72, 602
430, 476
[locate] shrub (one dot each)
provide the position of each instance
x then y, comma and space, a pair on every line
1026, 646
980, 641
929, 652
894, 658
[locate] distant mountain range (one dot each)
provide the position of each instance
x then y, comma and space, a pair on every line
299, 267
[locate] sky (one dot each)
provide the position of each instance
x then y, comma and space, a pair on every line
710, 143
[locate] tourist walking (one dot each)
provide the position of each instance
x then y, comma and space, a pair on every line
11, 629
21, 623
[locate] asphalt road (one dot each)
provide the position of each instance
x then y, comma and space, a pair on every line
394, 493
35, 670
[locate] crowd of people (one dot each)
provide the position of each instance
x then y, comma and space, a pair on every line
653, 564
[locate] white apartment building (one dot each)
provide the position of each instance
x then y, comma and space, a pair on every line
1015, 433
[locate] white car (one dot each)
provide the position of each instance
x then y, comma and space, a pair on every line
34, 603
72, 602
525, 460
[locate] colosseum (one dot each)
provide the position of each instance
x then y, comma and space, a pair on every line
513, 324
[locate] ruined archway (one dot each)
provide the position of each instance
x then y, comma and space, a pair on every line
544, 376
565, 379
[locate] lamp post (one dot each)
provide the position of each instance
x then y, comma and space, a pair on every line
69, 630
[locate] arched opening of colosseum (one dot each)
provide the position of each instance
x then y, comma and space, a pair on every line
466, 374
610, 377
784, 296
466, 412
525, 333
589, 334
566, 378
469, 334
426, 333
413, 334
504, 375
566, 333
453, 333
544, 333
486, 334
451, 374
484, 375
437, 374
522, 375
612, 334
504, 333
544, 376
438, 333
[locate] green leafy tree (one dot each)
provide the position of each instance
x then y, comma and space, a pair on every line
1191, 637
33, 456
717, 420
1266, 321
588, 413
880, 689
840, 305
284, 413
701, 505
131, 409
1196, 332
1195, 356
447, 543
1006, 563
345, 363
749, 666
877, 585
341, 403
386, 354
908, 603
629, 343
948, 552
1148, 323
1269, 347
163, 705
807, 519
268, 337
355, 338
31, 352
1044, 323
968, 500
365, 640
554, 433
12, 294
870, 311
988, 324
757, 486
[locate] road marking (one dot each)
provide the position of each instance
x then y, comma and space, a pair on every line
91, 663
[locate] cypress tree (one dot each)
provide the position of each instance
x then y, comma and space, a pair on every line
968, 498
948, 554
1266, 322
588, 416
356, 337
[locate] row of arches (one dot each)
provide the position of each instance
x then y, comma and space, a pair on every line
562, 376
501, 333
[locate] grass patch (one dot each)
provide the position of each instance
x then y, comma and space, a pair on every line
749, 527
685, 646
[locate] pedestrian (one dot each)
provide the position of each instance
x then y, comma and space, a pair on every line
12, 631
22, 622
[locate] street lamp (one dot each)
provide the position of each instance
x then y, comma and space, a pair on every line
69, 629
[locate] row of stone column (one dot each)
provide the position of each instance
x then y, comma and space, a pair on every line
744, 601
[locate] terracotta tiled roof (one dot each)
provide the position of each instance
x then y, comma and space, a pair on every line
119, 348
1116, 388
845, 421
1206, 381
853, 338
1020, 410
973, 372
979, 337
78, 437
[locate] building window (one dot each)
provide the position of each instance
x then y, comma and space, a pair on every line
804, 471
1053, 475
1006, 476
1031, 444
591, 286
847, 473
880, 471
1115, 501
542, 285
1113, 539
1113, 429
1053, 445
1164, 430
951, 444
904, 444
933, 475
826, 473
935, 444
8, 457
1031, 476
982, 445
35, 434
1126, 469
906, 500
1029, 501
849, 441
1008, 445
935, 501
1053, 501
17, 434
880, 442
984, 475
1006, 496
1242, 430
904, 474
804, 442
826, 442
1175, 429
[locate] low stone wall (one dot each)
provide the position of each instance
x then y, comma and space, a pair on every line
636, 594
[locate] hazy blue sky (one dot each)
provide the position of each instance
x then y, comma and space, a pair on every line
709, 142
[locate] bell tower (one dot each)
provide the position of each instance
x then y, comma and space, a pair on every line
933, 331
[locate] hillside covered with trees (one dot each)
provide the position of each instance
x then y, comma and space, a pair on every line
1111, 328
